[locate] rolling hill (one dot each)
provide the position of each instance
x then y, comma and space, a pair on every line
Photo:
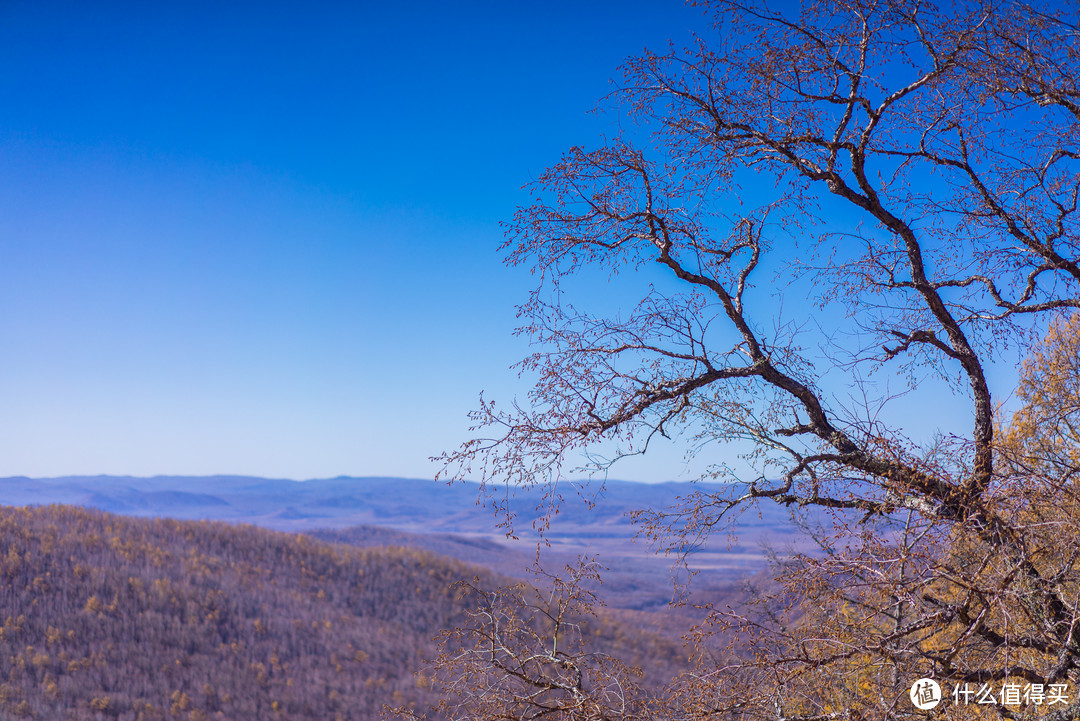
112, 617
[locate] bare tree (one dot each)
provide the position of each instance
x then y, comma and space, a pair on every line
917, 167
522, 656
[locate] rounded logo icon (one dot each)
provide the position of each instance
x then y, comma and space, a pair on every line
925, 694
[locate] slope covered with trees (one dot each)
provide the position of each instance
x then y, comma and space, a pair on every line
107, 617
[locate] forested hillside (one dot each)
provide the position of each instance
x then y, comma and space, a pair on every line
112, 617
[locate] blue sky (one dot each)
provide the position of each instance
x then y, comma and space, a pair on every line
261, 238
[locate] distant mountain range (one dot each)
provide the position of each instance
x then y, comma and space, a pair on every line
443, 518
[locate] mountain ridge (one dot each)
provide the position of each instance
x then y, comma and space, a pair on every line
134, 619
636, 577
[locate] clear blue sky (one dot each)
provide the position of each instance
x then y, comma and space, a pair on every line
261, 238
